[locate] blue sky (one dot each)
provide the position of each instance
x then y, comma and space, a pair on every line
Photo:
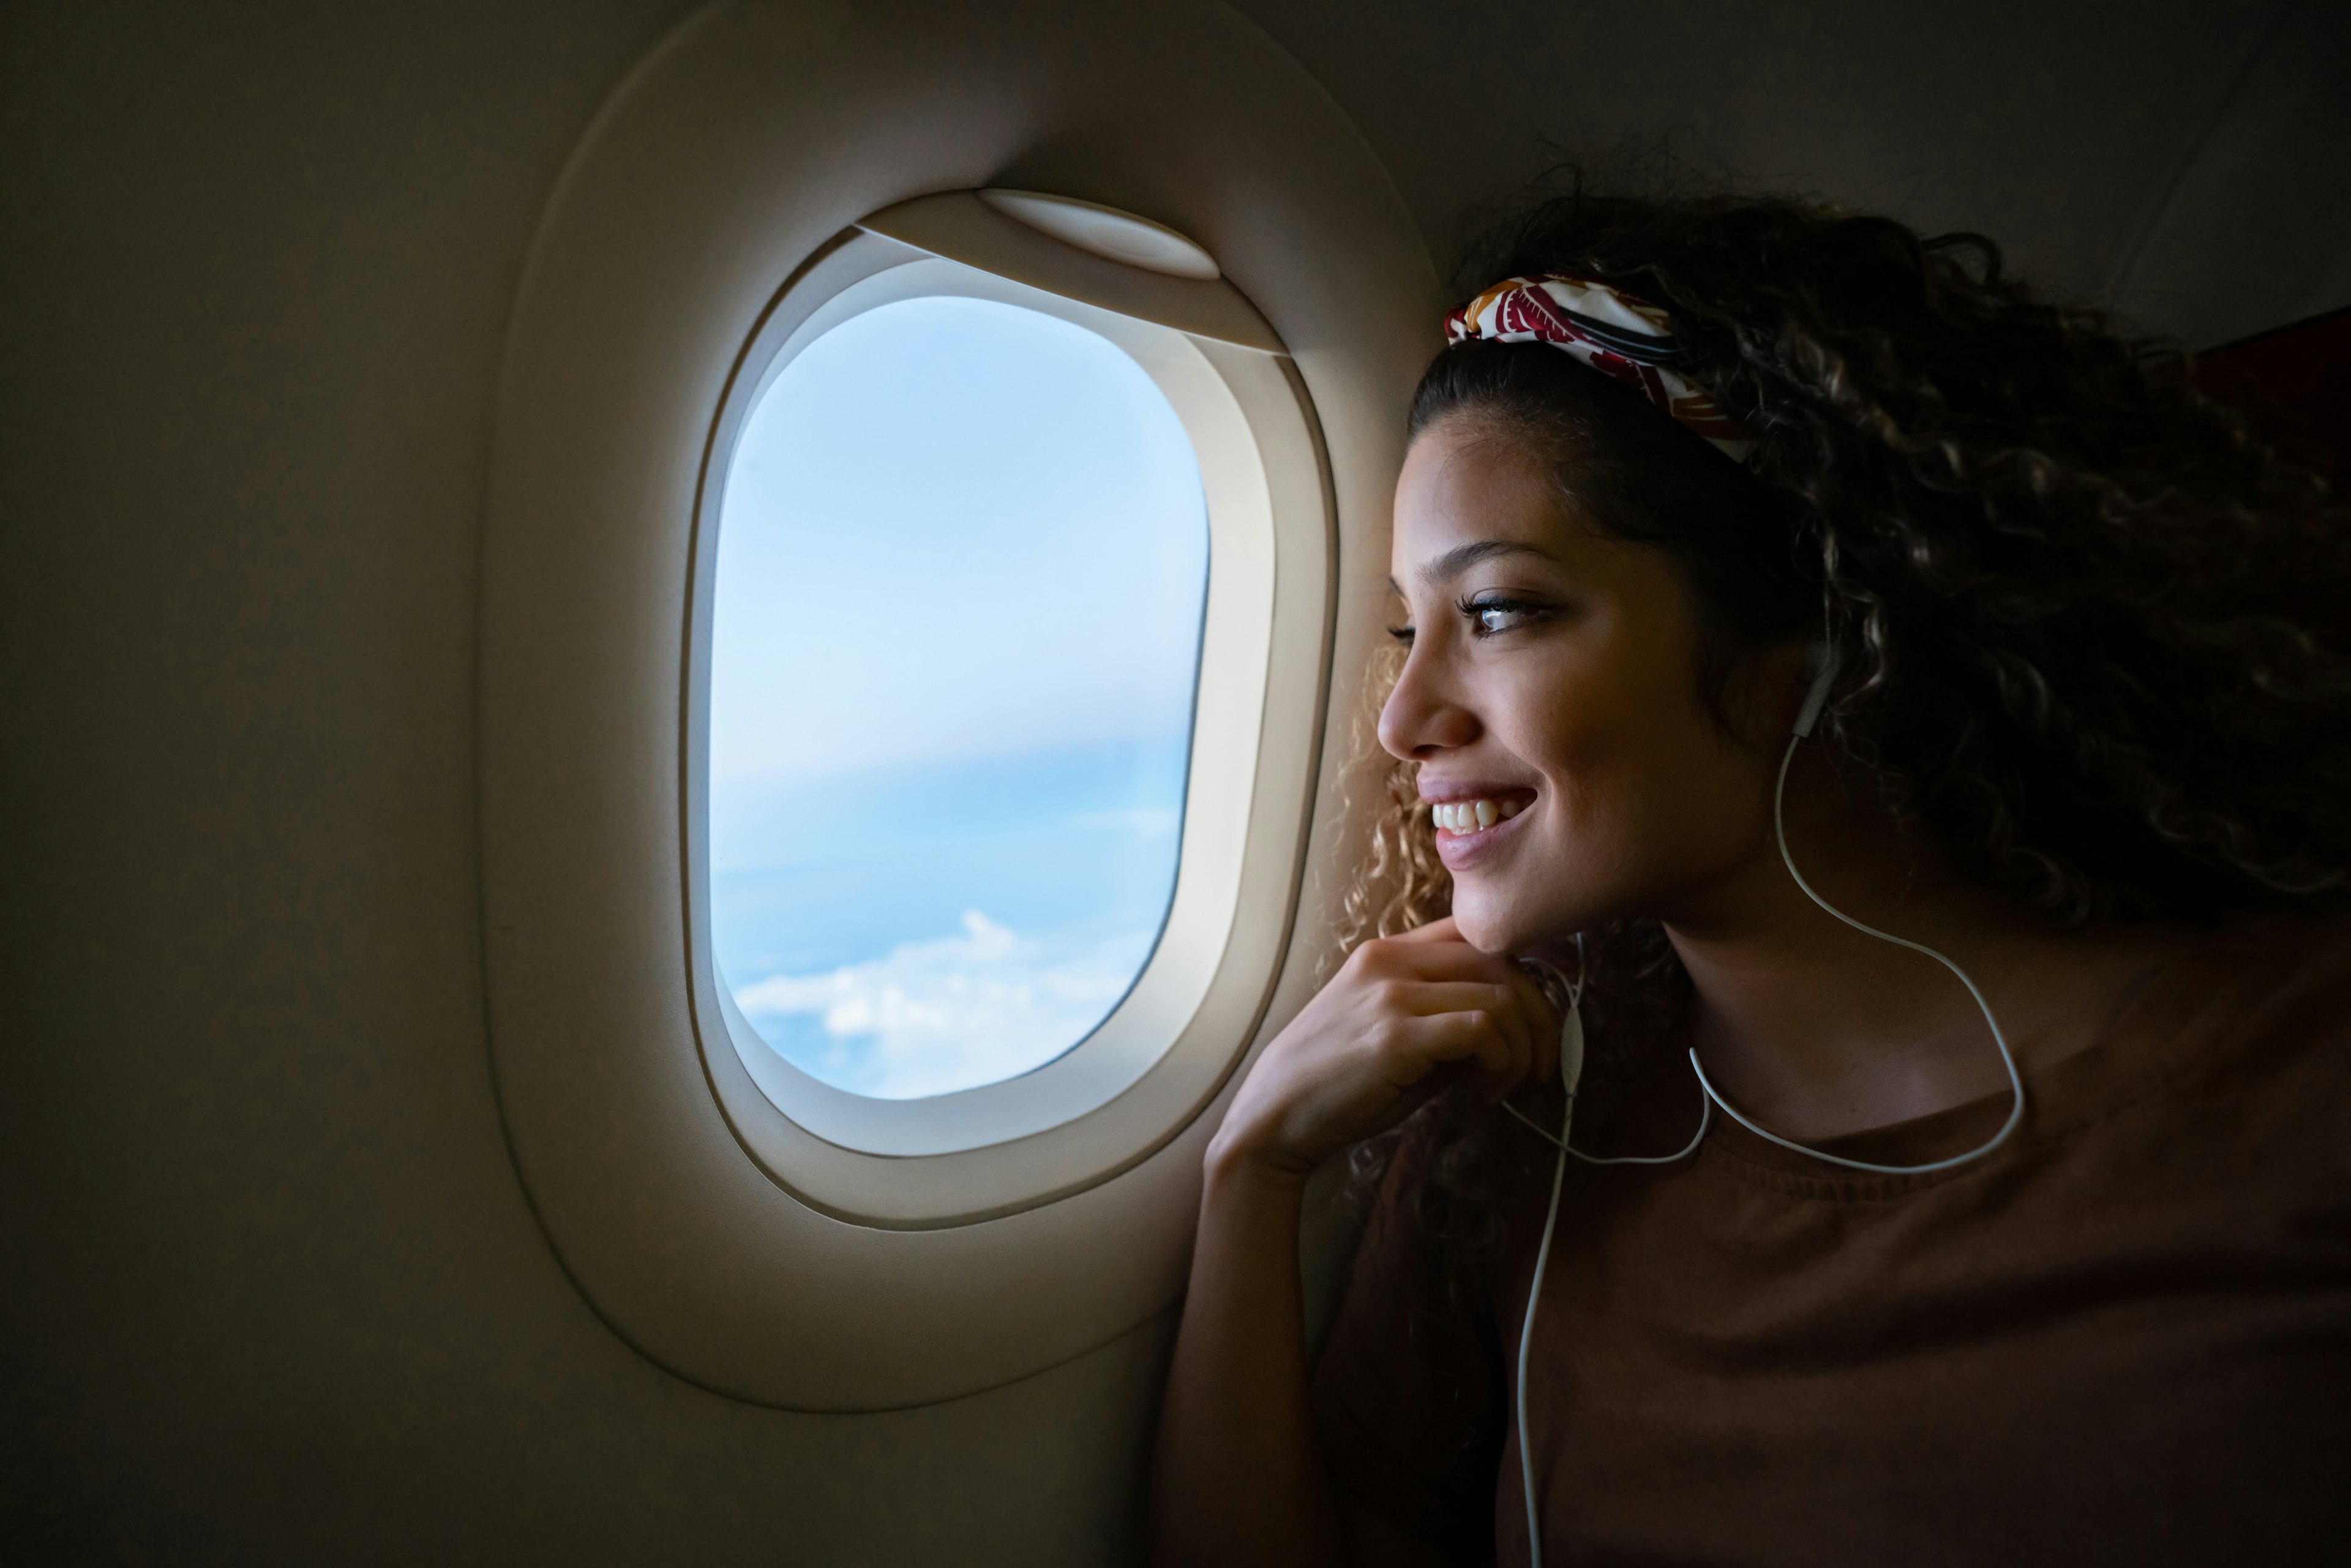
962, 557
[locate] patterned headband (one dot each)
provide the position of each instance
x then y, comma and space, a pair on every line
1610, 332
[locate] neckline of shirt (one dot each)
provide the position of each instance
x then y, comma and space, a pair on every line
2177, 1009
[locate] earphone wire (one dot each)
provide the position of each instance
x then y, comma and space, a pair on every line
1543, 1259
1704, 1120
1573, 1023
2007, 1057
1570, 1077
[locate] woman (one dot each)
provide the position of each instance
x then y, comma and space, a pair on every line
2060, 1276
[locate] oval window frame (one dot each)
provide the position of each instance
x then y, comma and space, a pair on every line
734, 150
1163, 1053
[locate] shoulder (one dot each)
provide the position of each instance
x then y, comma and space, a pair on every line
2243, 1044
2272, 995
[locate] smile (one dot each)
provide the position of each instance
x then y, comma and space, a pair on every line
1473, 816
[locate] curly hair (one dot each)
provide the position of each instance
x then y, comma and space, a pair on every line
2091, 628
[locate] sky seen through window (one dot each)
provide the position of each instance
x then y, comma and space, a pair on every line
962, 562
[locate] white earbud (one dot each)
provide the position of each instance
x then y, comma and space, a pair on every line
1820, 663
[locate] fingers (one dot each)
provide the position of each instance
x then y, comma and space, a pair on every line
1518, 1010
1524, 1027
1431, 958
1426, 999
1429, 971
1405, 1019
1418, 1045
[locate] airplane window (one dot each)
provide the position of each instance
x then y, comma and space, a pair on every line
962, 562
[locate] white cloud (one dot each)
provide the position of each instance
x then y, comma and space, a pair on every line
930, 1018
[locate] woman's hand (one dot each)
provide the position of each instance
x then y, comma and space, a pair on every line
1237, 1478
1403, 1019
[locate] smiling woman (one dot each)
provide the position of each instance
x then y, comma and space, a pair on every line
1898, 592
962, 565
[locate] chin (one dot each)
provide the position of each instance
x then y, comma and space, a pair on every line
1492, 921
1491, 925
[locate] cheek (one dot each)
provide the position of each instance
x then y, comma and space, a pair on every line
1650, 788
1601, 742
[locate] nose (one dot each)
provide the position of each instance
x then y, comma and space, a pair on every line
1423, 715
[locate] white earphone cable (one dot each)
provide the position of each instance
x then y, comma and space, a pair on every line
2007, 1058
1704, 1120
1571, 1074
1534, 1291
1570, 1049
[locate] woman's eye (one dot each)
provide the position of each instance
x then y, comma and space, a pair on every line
1498, 615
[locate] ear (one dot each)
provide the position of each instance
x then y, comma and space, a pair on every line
1766, 694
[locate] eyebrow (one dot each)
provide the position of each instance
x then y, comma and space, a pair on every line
1461, 558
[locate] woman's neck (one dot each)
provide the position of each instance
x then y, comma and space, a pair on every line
1816, 1029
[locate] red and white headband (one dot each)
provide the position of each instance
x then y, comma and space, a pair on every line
1612, 333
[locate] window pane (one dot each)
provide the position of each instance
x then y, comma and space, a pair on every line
962, 563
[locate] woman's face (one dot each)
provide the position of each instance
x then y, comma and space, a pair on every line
1551, 697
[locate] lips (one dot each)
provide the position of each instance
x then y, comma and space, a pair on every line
1469, 816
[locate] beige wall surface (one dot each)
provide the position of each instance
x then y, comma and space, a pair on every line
269, 1289
2186, 161
272, 1293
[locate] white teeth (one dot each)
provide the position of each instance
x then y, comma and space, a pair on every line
1472, 816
